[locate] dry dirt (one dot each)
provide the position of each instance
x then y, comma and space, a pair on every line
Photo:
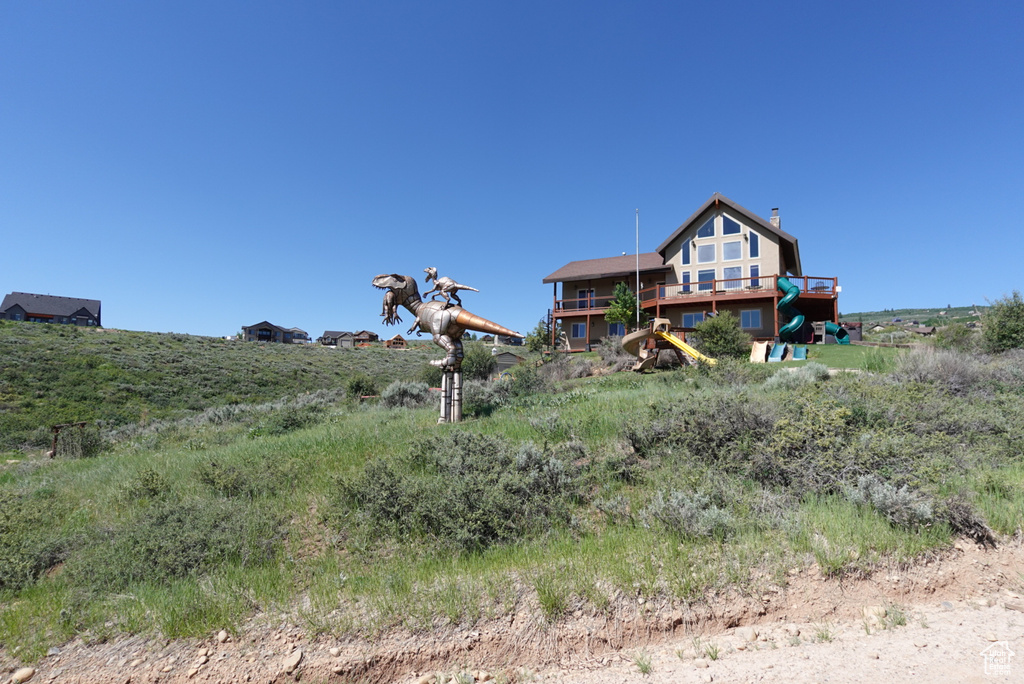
813, 630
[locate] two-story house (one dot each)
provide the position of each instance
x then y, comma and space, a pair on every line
724, 257
25, 306
268, 332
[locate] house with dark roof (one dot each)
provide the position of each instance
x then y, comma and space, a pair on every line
337, 338
723, 257
25, 306
265, 331
365, 336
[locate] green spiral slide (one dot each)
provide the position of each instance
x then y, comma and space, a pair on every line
796, 319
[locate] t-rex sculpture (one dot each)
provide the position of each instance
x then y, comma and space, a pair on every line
446, 287
444, 322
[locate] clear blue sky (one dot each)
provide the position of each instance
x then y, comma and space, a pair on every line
199, 166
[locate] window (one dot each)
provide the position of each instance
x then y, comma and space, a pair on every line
708, 229
706, 253
579, 330
616, 329
730, 227
686, 282
661, 290
704, 279
686, 252
755, 245
755, 273
750, 320
16, 317
733, 276
691, 320
585, 299
731, 251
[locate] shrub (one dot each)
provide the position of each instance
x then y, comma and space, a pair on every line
901, 506
689, 515
721, 337
27, 546
807, 374
483, 398
361, 385
611, 352
174, 539
956, 337
955, 372
464, 490
477, 361
401, 394
1004, 324
74, 442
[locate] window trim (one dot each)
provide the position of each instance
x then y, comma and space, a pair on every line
734, 282
693, 319
573, 334
686, 251
705, 285
755, 275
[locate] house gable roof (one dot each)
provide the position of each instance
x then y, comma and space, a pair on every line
608, 267
787, 243
266, 324
51, 305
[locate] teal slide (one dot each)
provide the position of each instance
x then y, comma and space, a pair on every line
785, 307
796, 319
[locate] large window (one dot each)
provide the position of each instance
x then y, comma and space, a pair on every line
730, 227
686, 282
731, 251
616, 329
708, 229
704, 279
755, 245
686, 252
750, 320
579, 330
755, 273
706, 253
585, 299
733, 277
690, 320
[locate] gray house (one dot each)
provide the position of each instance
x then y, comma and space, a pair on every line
268, 332
337, 338
24, 306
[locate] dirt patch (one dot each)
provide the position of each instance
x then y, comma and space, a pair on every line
938, 617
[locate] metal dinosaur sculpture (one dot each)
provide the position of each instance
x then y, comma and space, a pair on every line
446, 323
446, 287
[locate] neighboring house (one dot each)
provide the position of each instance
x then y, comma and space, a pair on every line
877, 328
504, 362
364, 336
24, 306
510, 341
396, 342
268, 332
923, 330
487, 339
337, 338
723, 258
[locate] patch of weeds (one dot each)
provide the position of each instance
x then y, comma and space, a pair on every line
895, 616
642, 660
824, 632
145, 484
900, 506
28, 544
553, 596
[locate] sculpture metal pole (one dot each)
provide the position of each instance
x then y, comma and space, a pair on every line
445, 322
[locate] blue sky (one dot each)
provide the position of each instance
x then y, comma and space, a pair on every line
199, 166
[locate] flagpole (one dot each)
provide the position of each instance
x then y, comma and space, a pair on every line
638, 268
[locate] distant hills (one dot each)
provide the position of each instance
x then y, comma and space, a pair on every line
936, 316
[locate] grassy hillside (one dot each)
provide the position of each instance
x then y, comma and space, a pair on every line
52, 374
563, 491
929, 317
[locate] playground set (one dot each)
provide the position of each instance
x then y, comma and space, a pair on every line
789, 346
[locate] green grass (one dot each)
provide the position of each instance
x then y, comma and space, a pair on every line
852, 356
640, 463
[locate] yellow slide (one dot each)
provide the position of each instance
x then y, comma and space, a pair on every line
646, 358
675, 341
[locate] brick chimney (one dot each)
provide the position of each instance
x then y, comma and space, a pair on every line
775, 220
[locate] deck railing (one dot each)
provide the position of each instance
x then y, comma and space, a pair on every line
814, 286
